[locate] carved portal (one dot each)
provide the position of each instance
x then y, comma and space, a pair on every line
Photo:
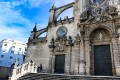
60, 44
99, 37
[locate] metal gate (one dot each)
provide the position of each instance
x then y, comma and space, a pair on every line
102, 60
59, 63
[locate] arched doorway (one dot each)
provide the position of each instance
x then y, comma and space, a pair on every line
101, 61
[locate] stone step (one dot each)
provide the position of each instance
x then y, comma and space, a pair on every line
47, 76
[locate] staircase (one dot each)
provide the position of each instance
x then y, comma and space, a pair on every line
47, 76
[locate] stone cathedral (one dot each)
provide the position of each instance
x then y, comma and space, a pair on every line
86, 44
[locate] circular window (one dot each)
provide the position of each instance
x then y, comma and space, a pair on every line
62, 31
97, 1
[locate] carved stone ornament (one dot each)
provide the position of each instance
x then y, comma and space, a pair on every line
69, 41
59, 47
60, 44
78, 39
52, 44
98, 12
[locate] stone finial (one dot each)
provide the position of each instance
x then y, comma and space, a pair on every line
69, 41
78, 39
60, 19
31, 61
35, 28
52, 44
67, 17
53, 6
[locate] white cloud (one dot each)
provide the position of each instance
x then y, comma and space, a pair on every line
37, 3
13, 33
9, 16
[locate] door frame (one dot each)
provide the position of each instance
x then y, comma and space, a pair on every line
92, 55
55, 62
99, 47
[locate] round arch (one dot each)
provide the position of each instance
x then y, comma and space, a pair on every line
107, 28
100, 37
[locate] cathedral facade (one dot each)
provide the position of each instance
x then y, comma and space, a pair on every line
86, 44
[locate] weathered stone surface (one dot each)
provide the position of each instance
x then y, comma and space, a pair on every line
98, 27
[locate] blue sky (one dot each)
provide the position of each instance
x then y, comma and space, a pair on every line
18, 17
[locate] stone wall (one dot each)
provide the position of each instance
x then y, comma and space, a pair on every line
78, 43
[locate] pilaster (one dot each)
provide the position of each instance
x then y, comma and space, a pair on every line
87, 55
82, 58
115, 56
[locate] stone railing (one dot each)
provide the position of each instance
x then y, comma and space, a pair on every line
23, 69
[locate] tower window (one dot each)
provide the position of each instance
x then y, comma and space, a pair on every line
12, 51
11, 57
18, 59
19, 49
25, 49
4, 50
2, 56
5, 44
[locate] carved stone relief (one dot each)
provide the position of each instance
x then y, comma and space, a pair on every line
98, 12
60, 44
100, 35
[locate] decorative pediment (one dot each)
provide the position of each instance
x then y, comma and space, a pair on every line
98, 14
59, 44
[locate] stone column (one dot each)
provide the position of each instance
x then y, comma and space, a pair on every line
70, 45
50, 61
116, 52
119, 48
68, 64
115, 57
52, 57
87, 55
77, 54
82, 5
53, 63
82, 59
52, 13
